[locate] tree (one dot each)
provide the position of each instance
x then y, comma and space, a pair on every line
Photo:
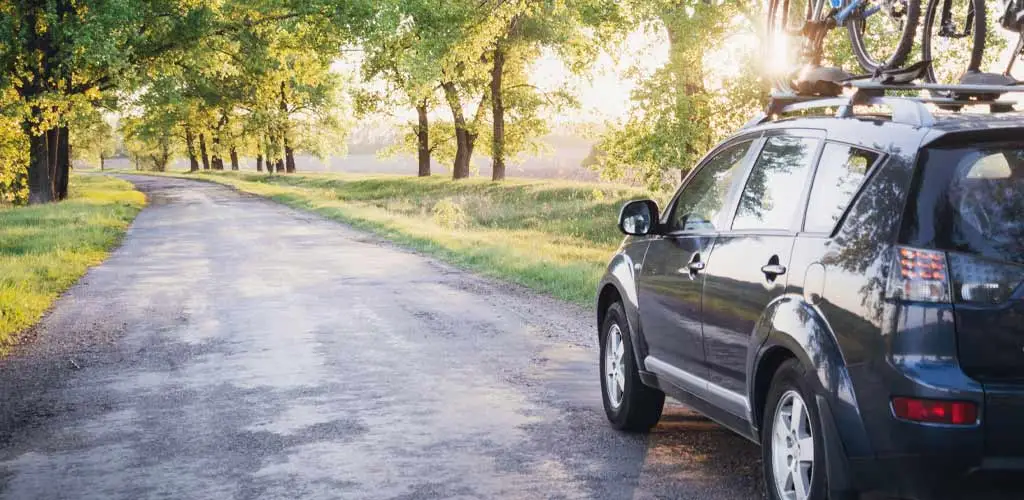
479, 55
93, 138
518, 32
687, 105
394, 55
57, 53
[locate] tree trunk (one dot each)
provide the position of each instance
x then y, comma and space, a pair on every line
280, 165
259, 162
498, 116
289, 155
40, 185
463, 146
190, 142
234, 158
103, 161
218, 162
423, 140
202, 150
289, 152
62, 166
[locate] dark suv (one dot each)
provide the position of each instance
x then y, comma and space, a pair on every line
843, 290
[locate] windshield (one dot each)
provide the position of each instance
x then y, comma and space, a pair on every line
970, 199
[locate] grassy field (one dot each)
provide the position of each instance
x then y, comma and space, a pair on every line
552, 236
45, 249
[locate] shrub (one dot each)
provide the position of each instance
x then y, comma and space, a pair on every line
449, 214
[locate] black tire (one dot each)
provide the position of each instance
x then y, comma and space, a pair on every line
977, 43
791, 377
640, 407
786, 18
855, 29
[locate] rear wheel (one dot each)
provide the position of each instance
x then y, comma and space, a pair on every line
882, 32
788, 41
953, 38
628, 403
791, 441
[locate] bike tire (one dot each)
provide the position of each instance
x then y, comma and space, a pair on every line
978, 44
779, 19
903, 48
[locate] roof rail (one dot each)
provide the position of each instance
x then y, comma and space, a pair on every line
908, 110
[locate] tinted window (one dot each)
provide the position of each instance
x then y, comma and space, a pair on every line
772, 194
702, 200
970, 199
841, 171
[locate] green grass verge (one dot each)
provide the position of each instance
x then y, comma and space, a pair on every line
44, 249
552, 236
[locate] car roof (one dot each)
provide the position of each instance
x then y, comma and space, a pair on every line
977, 121
879, 132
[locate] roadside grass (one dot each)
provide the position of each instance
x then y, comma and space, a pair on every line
44, 249
552, 236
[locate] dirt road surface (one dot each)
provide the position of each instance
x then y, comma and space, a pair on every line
235, 348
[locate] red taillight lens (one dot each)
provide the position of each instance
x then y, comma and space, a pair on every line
935, 411
919, 276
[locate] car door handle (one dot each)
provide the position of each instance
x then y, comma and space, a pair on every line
773, 270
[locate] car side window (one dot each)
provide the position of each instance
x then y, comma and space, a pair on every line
841, 171
771, 198
703, 198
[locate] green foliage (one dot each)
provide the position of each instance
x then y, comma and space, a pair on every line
44, 249
92, 136
412, 46
13, 162
688, 105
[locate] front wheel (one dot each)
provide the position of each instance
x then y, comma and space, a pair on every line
791, 441
629, 404
953, 39
882, 32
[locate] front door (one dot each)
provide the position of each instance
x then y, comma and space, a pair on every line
670, 282
748, 267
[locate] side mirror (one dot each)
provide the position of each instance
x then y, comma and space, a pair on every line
638, 217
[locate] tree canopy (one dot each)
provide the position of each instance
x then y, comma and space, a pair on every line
218, 82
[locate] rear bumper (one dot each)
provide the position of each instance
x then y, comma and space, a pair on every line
924, 461
927, 477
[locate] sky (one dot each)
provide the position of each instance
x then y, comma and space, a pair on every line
605, 95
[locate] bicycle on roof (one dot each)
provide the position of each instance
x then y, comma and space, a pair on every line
955, 39
881, 32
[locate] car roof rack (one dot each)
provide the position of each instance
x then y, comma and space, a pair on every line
906, 109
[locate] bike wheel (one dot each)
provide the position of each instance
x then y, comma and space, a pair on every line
787, 42
882, 32
953, 38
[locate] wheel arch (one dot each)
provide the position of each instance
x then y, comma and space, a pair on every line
619, 284
792, 328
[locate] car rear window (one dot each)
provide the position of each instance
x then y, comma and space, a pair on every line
970, 199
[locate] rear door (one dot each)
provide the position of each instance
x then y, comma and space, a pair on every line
671, 278
748, 267
969, 201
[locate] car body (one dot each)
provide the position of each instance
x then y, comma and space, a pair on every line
830, 253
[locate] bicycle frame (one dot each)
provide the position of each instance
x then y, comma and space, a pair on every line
844, 13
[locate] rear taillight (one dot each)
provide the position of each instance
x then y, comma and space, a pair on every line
919, 276
979, 281
935, 411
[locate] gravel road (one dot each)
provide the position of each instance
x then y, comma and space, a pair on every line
236, 348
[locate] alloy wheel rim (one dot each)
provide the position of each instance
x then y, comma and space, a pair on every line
792, 448
614, 373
